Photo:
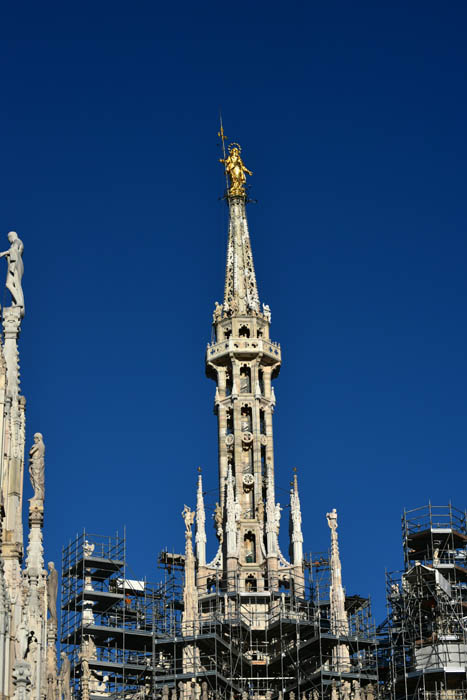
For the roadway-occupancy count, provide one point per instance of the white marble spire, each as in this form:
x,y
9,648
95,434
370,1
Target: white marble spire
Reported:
x,y
296,539
338,615
241,291
200,537
296,525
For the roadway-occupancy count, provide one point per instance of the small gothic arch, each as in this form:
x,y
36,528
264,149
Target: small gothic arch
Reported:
x,y
244,331
261,381
251,584
245,380
246,418
228,381
249,541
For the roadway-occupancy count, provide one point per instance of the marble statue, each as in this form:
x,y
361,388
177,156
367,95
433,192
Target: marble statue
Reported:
x,y
217,315
188,516
36,467
21,646
277,517
65,677
31,656
332,520
235,169
15,269
52,590
218,517
88,549
267,312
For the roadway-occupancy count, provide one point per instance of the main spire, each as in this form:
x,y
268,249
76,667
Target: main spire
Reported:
x,y
241,291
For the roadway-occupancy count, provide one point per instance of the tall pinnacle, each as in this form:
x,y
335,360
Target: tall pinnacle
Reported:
x,y
243,361
241,292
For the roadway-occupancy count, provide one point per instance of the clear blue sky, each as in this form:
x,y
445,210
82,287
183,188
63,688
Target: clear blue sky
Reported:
x,y
352,117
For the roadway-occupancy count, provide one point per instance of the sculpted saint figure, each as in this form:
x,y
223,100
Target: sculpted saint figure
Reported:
x,y
52,589
277,517
188,516
88,548
217,311
65,677
15,269
36,466
21,645
332,519
235,170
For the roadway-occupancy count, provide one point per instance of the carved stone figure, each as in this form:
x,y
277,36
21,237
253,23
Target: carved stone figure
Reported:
x,y
31,656
218,517
217,315
188,516
277,517
15,269
21,645
88,549
267,312
332,519
52,590
260,510
65,677
36,467
235,170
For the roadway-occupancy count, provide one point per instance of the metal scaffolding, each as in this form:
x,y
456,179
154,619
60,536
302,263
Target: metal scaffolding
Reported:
x,y
107,620
427,607
264,644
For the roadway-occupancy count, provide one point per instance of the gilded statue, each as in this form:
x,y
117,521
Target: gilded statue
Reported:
x,y
235,169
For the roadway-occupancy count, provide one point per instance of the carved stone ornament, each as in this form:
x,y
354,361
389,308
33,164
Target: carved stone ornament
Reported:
x,y
247,437
229,440
248,480
264,439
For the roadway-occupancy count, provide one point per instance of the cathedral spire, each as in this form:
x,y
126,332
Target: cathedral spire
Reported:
x,y
339,620
200,524
296,537
243,361
241,291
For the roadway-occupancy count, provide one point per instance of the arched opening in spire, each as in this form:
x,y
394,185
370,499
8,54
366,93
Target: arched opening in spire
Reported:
x,y
263,460
228,381
245,380
229,422
244,331
261,381
250,548
251,584
246,419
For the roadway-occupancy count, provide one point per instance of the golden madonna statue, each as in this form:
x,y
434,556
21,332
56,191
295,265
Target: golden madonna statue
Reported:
x,y
235,170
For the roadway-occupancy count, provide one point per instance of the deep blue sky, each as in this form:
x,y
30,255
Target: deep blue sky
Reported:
x,y
352,117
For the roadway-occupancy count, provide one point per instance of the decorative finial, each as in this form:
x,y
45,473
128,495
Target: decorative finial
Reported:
x,y
235,171
199,470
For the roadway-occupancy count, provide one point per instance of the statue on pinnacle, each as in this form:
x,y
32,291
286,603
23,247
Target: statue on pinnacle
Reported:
x,y
235,169
15,270
36,467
